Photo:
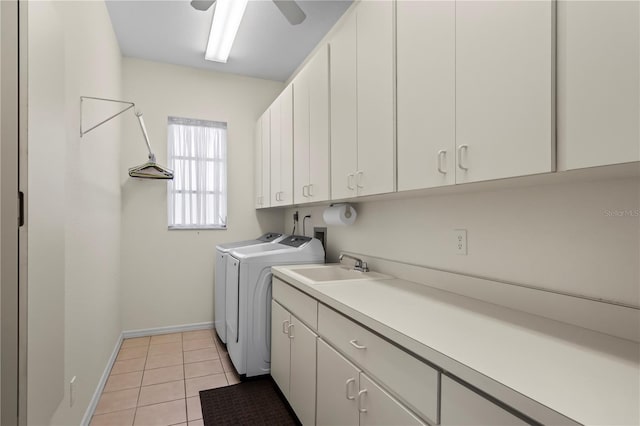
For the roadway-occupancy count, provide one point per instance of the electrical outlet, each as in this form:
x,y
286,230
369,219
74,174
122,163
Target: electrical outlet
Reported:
x,y
72,391
461,241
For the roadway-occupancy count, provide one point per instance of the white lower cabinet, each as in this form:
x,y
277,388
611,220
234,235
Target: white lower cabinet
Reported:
x,y
461,406
338,386
347,396
280,347
293,366
377,407
302,384
412,380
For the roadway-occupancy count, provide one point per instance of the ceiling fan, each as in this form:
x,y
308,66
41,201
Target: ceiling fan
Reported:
x,y
289,8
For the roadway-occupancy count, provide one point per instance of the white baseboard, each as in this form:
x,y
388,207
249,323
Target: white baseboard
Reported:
x,y
112,359
86,419
169,329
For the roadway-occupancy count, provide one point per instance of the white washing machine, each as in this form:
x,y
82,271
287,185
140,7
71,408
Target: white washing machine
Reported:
x,y
221,274
248,298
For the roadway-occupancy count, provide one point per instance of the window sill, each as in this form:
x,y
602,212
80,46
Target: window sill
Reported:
x,y
197,228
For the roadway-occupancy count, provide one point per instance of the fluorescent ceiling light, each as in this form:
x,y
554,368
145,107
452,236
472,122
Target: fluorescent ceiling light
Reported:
x,y
224,26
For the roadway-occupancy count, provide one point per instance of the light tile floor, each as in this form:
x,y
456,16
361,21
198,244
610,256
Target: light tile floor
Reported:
x,y
156,380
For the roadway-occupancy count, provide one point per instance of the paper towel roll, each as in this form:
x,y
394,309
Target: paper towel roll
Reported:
x,y
340,214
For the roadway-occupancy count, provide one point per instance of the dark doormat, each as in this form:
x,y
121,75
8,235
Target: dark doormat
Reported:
x,y
255,402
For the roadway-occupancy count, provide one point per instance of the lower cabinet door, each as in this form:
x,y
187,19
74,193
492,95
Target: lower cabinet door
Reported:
x,y
461,406
338,385
377,407
302,391
280,347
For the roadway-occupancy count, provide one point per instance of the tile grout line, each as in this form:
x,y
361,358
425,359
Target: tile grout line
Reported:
x,y
184,382
135,413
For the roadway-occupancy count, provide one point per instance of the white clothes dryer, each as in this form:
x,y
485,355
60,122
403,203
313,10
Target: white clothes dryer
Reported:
x,y
221,274
248,298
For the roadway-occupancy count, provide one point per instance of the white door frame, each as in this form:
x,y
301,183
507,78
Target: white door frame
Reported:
x,y
12,263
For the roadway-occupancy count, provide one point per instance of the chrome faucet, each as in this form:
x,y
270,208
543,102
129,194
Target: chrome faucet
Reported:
x,y
360,264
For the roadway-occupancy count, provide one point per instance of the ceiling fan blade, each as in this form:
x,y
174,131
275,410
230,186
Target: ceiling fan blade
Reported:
x,y
202,5
291,11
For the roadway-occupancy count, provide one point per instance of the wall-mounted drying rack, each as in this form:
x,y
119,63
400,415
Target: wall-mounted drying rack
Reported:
x,y
148,170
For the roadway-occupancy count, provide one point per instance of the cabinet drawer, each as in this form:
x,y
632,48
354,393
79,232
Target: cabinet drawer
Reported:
x,y
462,406
410,379
298,303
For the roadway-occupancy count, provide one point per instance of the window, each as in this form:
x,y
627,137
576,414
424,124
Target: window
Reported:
x,y
197,195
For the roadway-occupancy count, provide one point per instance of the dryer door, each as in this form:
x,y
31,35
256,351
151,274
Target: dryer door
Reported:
x,y
232,299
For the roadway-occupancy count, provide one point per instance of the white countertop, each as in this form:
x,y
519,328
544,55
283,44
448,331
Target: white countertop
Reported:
x,y
590,377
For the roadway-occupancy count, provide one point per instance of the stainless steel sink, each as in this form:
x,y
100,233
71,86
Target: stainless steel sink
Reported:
x,y
327,273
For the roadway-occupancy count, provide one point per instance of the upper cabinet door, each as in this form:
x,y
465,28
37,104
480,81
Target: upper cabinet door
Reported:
x,y
285,100
300,137
426,93
258,163
274,152
598,83
318,74
504,89
344,149
375,97
265,124
281,111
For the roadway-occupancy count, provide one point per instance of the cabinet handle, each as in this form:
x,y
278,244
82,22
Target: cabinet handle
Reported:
x,y
310,187
350,181
355,344
359,179
290,330
460,149
285,327
280,196
349,397
277,196
360,395
442,154
304,191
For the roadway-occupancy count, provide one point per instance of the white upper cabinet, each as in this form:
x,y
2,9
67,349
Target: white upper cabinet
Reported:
x,y
311,130
257,138
598,83
281,149
344,144
426,93
263,160
375,172
362,102
504,89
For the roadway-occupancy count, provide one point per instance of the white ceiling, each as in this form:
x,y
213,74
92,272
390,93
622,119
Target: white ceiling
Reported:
x,y
267,45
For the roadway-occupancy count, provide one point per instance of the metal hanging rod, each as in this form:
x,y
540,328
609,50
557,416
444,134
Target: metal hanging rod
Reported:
x,y
82,98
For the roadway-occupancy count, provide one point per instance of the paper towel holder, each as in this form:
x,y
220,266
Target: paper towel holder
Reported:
x,y
343,204
342,214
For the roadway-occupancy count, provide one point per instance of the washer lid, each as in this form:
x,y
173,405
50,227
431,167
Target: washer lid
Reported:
x,y
295,240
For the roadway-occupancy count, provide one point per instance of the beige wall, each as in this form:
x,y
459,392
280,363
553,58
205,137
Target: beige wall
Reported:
x,y
167,276
74,208
554,236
